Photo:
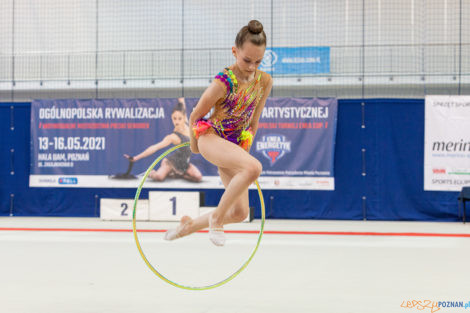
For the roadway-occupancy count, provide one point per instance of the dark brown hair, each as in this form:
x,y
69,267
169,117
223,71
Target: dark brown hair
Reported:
x,y
253,32
180,106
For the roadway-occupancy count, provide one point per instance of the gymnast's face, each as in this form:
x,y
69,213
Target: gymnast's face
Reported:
x,y
248,57
177,118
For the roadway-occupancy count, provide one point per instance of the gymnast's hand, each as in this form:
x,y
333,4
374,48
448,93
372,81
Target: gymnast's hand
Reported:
x,y
130,158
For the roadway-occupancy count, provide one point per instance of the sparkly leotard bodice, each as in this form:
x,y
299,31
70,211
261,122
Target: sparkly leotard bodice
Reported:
x,y
233,113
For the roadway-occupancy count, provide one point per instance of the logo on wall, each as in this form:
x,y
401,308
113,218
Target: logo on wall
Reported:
x,y
273,147
68,181
269,59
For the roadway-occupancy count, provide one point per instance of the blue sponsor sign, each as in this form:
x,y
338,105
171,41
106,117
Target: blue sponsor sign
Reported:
x,y
296,60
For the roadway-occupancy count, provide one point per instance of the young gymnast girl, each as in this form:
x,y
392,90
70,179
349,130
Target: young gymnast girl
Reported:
x,y
238,95
178,163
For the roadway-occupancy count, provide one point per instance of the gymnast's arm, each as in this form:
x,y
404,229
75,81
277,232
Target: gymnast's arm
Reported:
x,y
169,139
209,98
260,106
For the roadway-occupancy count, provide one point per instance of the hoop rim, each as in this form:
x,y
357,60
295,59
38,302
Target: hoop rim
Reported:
x,y
152,268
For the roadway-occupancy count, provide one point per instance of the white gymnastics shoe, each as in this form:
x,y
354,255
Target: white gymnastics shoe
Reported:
x,y
216,235
175,233
172,234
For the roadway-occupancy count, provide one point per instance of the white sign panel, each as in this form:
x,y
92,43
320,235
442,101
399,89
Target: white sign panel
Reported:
x,y
447,143
122,209
172,206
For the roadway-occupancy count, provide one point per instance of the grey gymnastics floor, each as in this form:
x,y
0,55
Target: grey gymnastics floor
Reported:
x,y
50,265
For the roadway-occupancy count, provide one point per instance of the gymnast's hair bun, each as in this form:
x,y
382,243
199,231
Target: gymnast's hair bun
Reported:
x,y
252,32
255,27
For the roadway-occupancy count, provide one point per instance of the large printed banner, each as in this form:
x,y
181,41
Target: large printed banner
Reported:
x,y
447,143
87,143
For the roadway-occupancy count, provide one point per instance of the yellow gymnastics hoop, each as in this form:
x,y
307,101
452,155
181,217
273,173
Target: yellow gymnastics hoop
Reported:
x,y
220,283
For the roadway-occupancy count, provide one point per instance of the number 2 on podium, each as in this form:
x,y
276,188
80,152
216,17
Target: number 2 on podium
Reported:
x,y
173,200
124,211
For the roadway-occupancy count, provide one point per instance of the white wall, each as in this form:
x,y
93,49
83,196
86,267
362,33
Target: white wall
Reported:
x,y
142,39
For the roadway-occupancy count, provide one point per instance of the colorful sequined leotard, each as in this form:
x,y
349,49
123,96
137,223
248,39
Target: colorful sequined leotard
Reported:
x,y
233,113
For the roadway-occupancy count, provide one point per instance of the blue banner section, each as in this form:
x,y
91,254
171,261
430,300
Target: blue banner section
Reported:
x,y
296,137
391,190
90,137
87,143
296,60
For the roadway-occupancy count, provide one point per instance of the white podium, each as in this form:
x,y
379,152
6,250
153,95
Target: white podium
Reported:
x,y
161,206
121,209
173,205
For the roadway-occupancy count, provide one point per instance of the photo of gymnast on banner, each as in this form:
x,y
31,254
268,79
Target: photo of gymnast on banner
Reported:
x,y
110,143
